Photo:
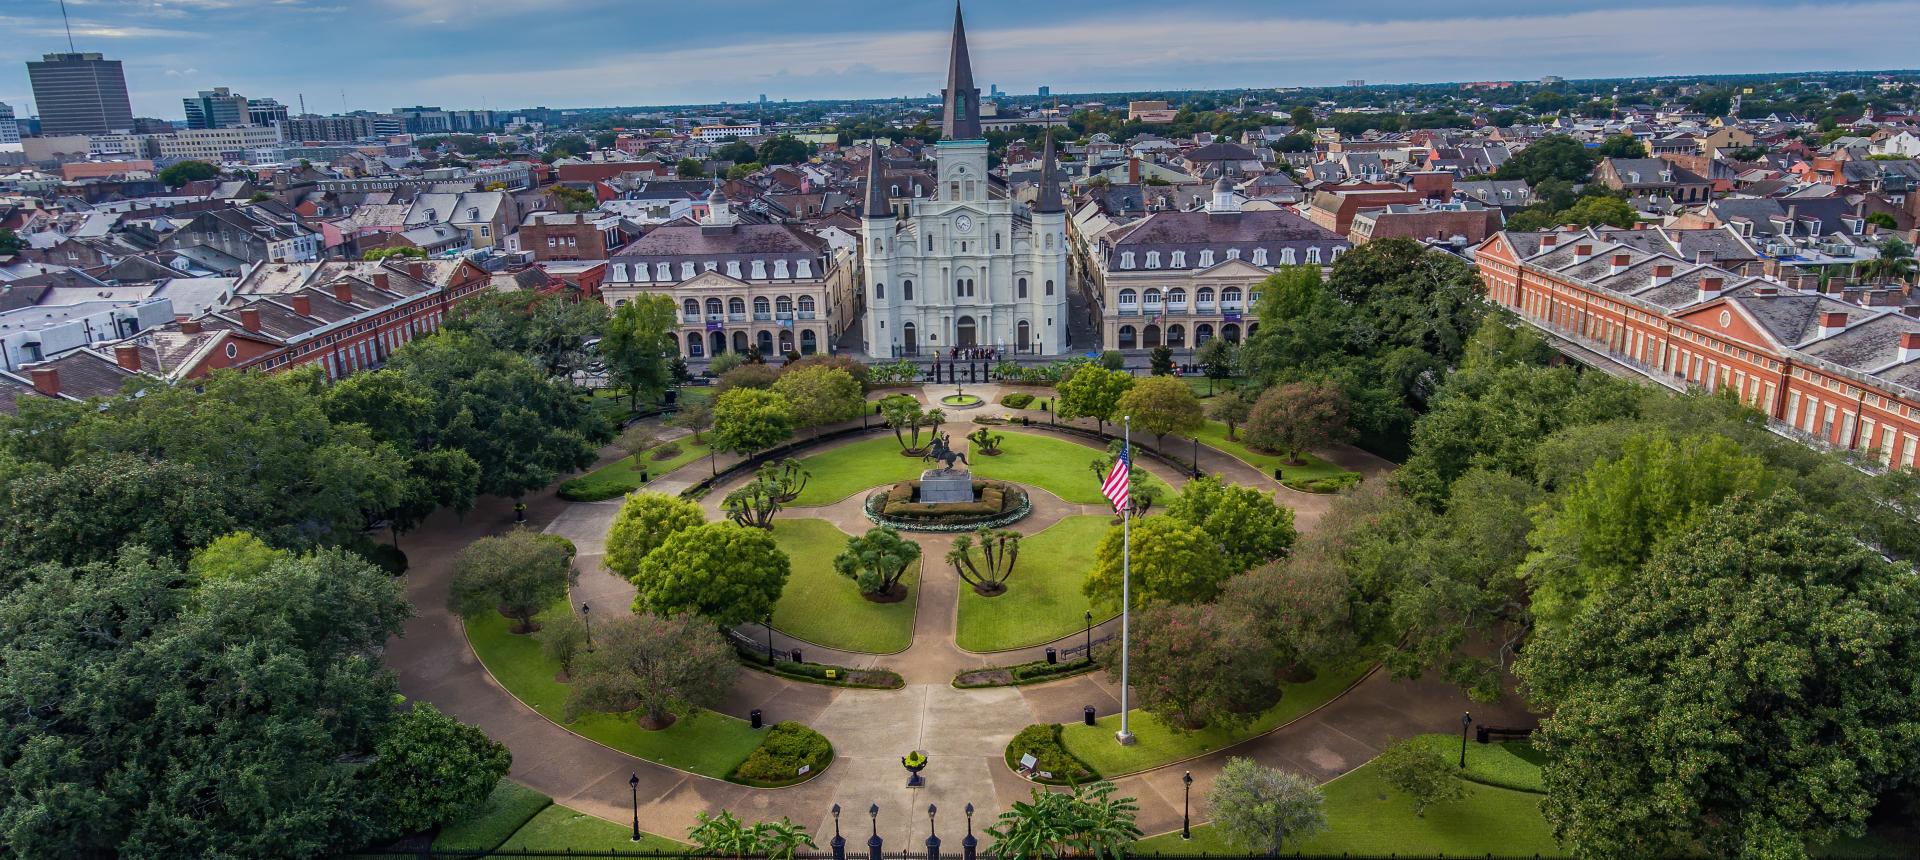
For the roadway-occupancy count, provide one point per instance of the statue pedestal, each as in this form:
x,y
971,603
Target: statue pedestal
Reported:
x,y
940,487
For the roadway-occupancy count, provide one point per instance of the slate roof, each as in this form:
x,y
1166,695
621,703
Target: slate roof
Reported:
x,y
1274,228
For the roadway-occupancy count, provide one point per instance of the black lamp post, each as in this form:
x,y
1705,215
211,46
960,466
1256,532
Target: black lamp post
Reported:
x,y
873,842
839,842
1089,635
969,845
586,618
633,782
1466,719
933,838
769,625
1186,807
1196,456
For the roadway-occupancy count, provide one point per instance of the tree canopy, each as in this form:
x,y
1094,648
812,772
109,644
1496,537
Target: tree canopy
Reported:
x,y
726,572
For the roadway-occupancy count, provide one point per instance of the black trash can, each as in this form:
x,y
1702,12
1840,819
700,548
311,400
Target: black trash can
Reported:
x,y
643,476
753,717
1087,714
1052,656
796,656
1276,473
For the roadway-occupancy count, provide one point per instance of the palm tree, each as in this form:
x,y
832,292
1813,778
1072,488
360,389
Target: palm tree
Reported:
x,y
1895,263
1084,822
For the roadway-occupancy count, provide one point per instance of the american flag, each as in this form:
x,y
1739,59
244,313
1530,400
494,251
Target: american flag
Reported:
x,y
1115,488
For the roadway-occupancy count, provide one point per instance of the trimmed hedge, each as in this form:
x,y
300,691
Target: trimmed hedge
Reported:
x,y
1036,672
1042,741
777,761
1325,484
816,673
1016,399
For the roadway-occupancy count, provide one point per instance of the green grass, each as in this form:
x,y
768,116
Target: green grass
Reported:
x,y
1488,821
1507,764
1215,434
1156,744
705,742
622,476
823,607
1043,601
1060,467
1220,386
510,806
558,828
862,465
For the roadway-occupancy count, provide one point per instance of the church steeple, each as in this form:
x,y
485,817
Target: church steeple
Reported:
x,y
1048,200
960,120
879,203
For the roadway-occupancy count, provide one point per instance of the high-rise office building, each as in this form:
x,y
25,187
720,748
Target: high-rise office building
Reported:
x,y
1046,91
9,128
266,112
80,94
216,108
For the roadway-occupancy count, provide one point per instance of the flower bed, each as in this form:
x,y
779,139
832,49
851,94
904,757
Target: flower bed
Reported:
x,y
1036,672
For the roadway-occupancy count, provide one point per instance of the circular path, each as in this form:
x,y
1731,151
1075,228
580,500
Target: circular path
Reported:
x,y
964,732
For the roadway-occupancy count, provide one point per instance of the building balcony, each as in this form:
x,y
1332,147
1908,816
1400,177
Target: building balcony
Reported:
x,y
736,317
807,315
1177,307
690,319
1128,310
1204,307
762,317
783,315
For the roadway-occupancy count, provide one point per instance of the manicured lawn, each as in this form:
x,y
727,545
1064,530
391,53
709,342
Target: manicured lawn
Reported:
x,y
558,828
862,465
1156,744
1199,384
706,742
510,806
622,476
1215,435
823,607
1060,467
1366,816
1509,764
1043,601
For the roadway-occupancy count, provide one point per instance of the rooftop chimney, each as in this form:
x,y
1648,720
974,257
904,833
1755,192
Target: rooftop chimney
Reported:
x,y
189,326
127,355
1619,263
1133,170
1710,287
381,281
303,304
250,319
1662,273
1582,253
46,380
1549,240
1831,322
1704,258
1909,346
343,291
1766,292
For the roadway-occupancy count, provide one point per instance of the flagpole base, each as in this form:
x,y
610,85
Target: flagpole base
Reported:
x,y
1125,738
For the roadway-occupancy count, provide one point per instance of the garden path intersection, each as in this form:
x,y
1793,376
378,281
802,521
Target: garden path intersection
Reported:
x,y
963,732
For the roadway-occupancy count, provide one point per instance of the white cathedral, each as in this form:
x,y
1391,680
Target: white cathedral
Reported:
x,y
967,266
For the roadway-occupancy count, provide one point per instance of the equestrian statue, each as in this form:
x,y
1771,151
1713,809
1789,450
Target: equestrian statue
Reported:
x,y
938,449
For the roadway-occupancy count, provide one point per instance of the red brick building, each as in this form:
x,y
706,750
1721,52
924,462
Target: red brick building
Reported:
x,y
1838,369
550,236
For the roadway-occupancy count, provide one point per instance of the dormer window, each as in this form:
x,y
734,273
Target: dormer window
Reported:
x,y
686,270
1179,258
1233,253
806,269
1287,257
779,268
1259,256
473,213
1153,259
663,272
1126,259
1206,258
1313,254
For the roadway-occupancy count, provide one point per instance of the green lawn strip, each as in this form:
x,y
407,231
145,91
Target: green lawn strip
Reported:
x,y
558,828
1506,764
510,806
1201,389
622,476
1214,434
1043,601
1365,816
1155,744
825,608
851,468
706,743
1060,467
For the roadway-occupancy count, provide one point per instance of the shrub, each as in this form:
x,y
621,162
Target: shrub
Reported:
x,y
1042,741
787,747
1326,484
1017,399
666,451
578,490
1042,669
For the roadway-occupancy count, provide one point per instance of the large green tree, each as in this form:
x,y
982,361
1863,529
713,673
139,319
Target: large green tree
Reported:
x,y
1172,561
644,522
551,330
182,172
1245,525
150,714
662,667
750,420
1555,156
432,769
727,572
1162,405
820,395
638,347
1093,392
1262,809
520,573
1298,416
1196,666
87,510
1752,693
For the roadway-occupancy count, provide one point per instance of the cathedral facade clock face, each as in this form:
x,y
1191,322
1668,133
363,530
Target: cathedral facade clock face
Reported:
x,y
964,223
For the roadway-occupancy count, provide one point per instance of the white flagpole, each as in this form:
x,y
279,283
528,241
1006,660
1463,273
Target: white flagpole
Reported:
x,y
1126,572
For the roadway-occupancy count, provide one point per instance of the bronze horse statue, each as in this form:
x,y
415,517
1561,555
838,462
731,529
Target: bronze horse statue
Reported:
x,y
938,449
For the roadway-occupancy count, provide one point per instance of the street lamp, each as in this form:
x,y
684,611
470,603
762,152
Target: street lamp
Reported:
x,y
633,782
873,842
586,618
1186,807
769,624
839,842
1466,719
1089,635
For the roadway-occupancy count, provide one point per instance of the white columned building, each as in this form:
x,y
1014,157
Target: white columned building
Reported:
x,y
967,266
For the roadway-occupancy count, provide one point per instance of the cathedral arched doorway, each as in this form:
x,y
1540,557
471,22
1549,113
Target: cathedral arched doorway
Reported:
x,y
965,334
718,342
786,341
766,343
910,339
1150,338
1231,332
1023,336
1126,337
740,342
1176,336
809,342
696,347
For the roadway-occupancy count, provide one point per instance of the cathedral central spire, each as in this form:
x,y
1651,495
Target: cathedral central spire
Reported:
x,y
960,120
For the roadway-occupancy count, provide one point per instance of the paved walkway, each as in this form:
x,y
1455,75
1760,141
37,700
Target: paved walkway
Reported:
x,y
963,731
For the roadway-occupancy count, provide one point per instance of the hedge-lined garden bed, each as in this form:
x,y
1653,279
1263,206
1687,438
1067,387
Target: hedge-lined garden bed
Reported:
x,y
791,753
1042,741
1036,672
823,674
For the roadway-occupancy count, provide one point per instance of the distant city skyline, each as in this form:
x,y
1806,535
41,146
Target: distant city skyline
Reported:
x,y
458,54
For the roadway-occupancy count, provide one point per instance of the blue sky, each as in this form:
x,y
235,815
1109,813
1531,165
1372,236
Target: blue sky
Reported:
x,y
569,53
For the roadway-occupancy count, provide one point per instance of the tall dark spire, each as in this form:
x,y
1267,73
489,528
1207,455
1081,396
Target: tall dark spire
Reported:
x,y
1049,199
879,204
961,118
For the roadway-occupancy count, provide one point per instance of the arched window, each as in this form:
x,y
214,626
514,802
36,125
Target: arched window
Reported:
x,y
714,308
783,304
1230,297
1127,337
1129,298
1177,298
740,342
809,342
1020,288
1150,337
1152,297
806,305
695,348
1202,333
906,290
761,307
879,290
1176,336
692,308
736,305
1049,287
1204,296
1231,332
765,342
